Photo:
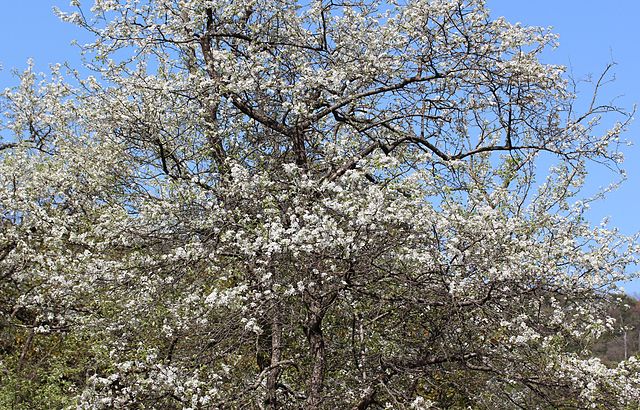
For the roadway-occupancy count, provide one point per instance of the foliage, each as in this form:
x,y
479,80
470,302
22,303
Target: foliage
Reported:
x,y
279,204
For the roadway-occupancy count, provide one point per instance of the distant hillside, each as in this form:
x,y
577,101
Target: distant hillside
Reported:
x,y
625,340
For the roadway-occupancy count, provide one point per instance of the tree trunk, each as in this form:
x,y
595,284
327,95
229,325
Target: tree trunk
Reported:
x,y
276,357
316,344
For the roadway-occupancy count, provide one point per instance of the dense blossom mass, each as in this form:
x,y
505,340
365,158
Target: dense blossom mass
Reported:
x,y
284,204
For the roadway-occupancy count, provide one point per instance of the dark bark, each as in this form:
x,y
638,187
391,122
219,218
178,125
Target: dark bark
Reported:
x,y
276,357
317,347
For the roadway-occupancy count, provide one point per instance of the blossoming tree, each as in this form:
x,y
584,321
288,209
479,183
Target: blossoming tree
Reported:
x,y
281,204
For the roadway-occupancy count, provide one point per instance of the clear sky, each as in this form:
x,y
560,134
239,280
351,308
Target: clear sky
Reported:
x,y
592,34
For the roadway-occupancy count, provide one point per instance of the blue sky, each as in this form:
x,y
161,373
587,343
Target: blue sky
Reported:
x,y
592,34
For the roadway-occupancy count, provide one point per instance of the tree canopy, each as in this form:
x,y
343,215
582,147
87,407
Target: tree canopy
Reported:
x,y
280,204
